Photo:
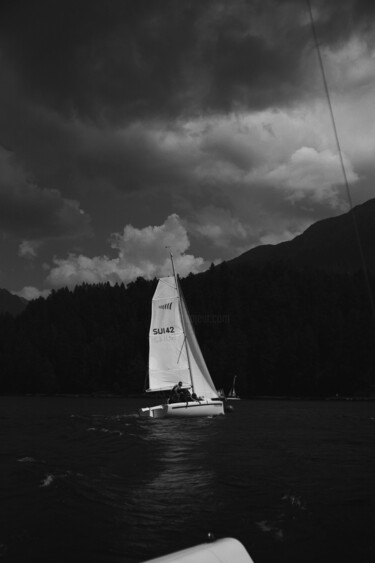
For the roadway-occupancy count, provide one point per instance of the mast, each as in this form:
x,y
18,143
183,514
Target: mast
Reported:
x,y
182,320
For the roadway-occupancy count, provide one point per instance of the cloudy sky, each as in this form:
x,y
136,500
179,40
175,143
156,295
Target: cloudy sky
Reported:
x,y
130,125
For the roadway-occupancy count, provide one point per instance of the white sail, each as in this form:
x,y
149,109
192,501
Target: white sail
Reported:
x,y
168,362
174,354
201,379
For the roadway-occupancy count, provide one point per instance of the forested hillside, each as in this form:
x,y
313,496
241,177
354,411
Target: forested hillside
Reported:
x,y
11,303
330,244
280,329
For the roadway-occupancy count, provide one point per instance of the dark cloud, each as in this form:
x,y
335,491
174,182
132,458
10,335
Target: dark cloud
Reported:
x,y
137,109
133,159
336,21
28,211
90,57
144,57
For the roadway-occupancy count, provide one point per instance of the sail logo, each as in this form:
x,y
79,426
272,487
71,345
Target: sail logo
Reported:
x,y
166,306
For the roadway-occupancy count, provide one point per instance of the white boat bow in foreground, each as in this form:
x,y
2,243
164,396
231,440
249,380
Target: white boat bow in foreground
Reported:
x,y
226,550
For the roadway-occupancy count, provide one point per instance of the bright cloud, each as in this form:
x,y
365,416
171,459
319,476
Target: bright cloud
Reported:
x,y
220,227
28,249
351,67
312,174
140,253
31,293
292,148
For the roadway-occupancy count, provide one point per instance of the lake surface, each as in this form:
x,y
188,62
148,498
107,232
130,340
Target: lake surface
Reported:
x,y
84,479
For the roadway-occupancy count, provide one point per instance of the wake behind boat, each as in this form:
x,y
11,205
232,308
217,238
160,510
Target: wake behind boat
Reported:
x,y
175,358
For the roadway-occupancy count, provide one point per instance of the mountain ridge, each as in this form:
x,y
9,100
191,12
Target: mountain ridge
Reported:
x,y
329,244
10,303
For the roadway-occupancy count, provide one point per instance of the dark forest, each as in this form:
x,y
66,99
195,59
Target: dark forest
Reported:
x,y
284,331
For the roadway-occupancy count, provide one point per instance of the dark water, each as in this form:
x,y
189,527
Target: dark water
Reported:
x,y
87,480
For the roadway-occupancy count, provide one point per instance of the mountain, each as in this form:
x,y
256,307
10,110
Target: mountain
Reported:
x,y
10,303
330,244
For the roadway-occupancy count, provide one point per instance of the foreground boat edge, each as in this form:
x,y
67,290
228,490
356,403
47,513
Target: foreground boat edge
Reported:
x,y
225,550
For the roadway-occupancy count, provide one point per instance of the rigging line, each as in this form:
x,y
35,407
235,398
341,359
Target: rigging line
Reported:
x,y
346,182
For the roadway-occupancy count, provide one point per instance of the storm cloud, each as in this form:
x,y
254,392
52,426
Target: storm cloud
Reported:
x,y
141,58
118,115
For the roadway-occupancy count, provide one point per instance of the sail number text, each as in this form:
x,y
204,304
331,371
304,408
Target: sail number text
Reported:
x,y
167,330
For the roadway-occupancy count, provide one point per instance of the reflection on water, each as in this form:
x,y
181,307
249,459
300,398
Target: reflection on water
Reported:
x,y
181,487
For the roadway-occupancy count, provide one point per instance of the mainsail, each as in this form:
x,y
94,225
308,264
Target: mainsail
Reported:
x,y
174,351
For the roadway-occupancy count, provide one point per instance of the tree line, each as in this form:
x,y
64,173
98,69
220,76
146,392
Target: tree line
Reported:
x,y
283,330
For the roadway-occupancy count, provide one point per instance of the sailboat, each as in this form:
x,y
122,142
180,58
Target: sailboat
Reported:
x,y
175,356
221,393
232,395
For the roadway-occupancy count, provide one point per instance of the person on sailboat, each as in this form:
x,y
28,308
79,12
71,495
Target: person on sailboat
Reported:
x,y
176,393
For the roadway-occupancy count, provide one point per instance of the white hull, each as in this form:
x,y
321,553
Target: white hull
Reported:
x,y
179,410
225,550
